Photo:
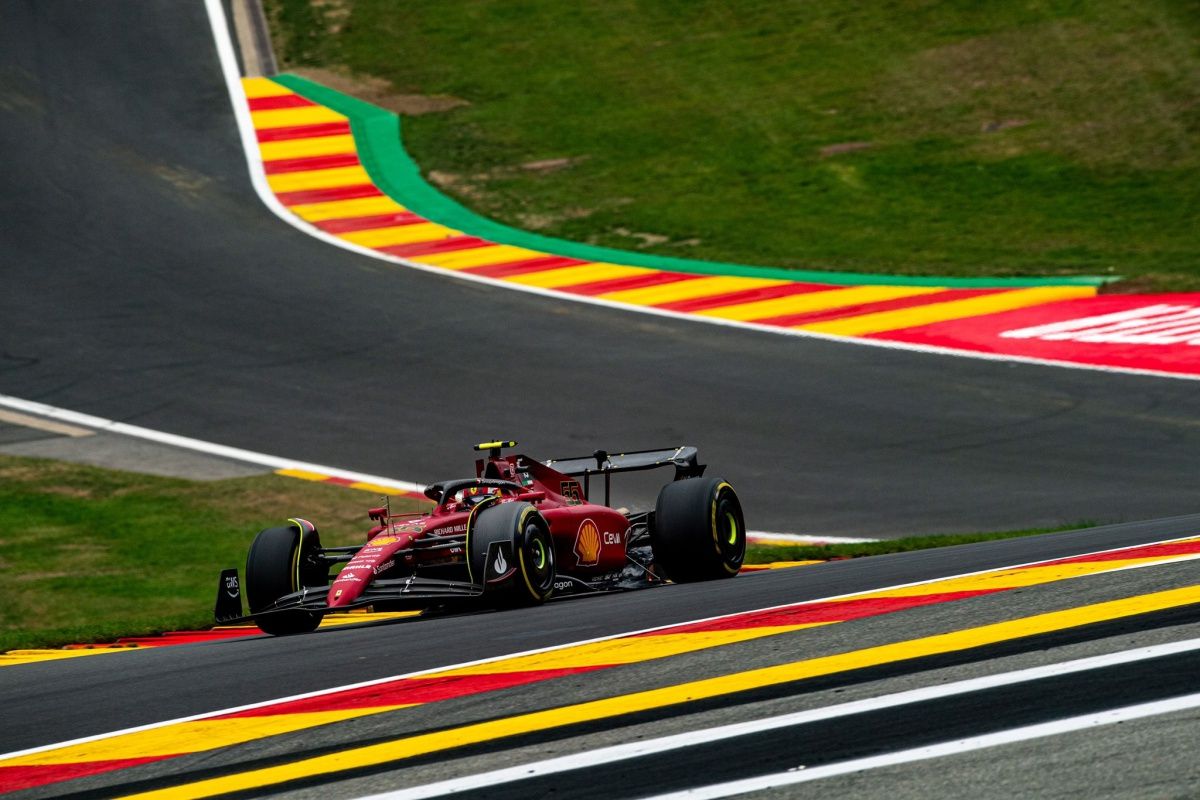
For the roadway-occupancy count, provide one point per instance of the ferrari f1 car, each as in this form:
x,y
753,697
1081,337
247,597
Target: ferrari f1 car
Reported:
x,y
517,533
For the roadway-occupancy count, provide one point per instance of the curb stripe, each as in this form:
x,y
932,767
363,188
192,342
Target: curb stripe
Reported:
x,y
803,301
306,147
504,269
307,163
353,224
277,101
844,298
325,195
912,301
941,312
742,296
304,132
446,245
621,284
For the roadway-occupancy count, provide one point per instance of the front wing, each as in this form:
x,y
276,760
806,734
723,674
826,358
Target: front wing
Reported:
x,y
398,593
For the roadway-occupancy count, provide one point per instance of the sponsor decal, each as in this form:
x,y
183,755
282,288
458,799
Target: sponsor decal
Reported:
x,y
1160,324
368,550
384,567
231,586
612,538
587,544
562,586
409,527
379,541
344,578
337,594
500,565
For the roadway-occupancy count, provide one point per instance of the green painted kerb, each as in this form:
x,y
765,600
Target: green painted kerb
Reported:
x,y
377,135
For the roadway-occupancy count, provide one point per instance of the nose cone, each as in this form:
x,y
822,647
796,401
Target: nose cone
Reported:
x,y
375,557
348,585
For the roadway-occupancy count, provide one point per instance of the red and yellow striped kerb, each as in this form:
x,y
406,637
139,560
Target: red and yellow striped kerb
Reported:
x,y
312,165
223,729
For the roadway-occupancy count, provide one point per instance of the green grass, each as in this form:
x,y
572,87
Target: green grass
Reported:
x,y
1045,137
766,554
89,554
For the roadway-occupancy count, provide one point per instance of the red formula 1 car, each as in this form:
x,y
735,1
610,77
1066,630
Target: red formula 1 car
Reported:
x,y
515,534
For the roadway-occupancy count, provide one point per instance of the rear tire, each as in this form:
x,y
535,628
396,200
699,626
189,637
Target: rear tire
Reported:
x,y
278,564
529,535
699,533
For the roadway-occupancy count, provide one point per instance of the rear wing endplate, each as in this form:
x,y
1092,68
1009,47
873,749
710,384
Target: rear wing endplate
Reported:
x,y
685,459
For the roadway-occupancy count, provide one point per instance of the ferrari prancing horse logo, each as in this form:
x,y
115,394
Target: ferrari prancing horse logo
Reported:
x,y
587,544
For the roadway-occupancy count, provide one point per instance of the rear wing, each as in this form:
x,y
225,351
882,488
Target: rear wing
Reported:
x,y
685,459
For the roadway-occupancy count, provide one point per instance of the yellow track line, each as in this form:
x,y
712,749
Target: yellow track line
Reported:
x,y
318,179
408,747
478,257
305,148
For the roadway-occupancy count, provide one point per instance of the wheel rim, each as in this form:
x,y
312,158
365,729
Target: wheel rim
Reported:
x,y
730,537
731,523
538,551
539,558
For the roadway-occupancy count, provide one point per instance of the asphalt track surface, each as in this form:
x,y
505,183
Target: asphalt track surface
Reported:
x,y
143,281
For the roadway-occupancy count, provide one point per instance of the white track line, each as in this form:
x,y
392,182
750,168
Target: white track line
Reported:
x,y
800,538
241,112
198,445
1010,736
624,752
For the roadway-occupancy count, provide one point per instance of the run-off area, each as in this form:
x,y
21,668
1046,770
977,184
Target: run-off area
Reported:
x,y
1124,759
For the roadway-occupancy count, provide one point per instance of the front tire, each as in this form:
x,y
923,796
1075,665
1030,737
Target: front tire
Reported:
x,y
531,546
280,563
699,533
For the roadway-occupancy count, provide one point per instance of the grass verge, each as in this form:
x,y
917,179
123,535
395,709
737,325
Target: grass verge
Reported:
x,y
1055,137
90,555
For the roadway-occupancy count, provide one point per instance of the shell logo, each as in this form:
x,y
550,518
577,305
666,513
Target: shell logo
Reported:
x,y
587,544
382,540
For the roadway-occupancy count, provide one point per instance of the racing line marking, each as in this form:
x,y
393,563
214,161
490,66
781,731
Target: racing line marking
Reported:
x,y
623,752
1010,736
423,744
106,752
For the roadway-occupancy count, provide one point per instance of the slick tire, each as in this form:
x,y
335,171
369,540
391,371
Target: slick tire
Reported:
x,y
276,566
531,571
699,533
